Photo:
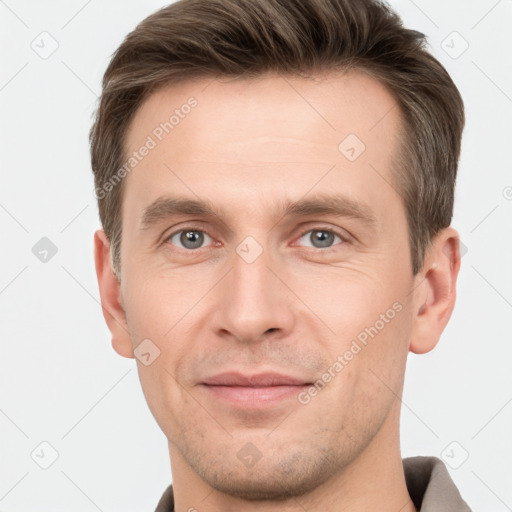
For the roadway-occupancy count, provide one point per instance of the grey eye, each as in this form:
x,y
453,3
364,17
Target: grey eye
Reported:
x,y
320,238
189,238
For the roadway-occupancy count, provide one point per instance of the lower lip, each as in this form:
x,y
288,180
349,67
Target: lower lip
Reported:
x,y
245,396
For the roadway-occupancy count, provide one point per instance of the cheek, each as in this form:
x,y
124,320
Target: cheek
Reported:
x,y
368,321
350,303
162,394
156,304
163,309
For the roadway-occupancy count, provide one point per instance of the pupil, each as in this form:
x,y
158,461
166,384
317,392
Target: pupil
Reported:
x,y
192,239
324,238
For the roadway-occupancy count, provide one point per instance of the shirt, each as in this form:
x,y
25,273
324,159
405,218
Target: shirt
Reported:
x,y
428,482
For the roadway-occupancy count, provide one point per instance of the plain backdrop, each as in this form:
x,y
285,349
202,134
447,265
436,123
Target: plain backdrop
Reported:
x,y
61,383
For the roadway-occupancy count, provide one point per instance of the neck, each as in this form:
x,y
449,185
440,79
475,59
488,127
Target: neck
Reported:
x,y
374,481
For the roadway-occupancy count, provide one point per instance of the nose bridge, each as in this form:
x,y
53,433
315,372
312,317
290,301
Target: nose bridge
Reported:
x,y
251,275
253,299
251,278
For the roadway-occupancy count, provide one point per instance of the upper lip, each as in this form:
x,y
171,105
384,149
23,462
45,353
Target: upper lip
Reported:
x,y
256,380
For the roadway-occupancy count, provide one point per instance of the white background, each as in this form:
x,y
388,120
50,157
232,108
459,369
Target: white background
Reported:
x,y
60,380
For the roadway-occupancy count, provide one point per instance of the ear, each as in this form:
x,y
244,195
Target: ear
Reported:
x,y
435,291
111,298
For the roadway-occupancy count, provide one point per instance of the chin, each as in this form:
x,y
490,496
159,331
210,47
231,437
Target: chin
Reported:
x,y
278,481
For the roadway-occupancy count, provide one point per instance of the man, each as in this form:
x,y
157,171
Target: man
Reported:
x,y
275,182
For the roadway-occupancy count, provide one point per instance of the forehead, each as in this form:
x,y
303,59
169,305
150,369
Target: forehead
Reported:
x,y
269,133
324,109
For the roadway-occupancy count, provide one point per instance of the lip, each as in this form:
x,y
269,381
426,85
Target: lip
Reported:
x,y
253,391
258,380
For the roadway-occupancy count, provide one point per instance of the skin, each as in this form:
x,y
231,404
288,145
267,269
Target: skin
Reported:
x,y
248,147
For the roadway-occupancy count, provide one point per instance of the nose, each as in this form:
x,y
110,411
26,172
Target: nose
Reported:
x,y
254,301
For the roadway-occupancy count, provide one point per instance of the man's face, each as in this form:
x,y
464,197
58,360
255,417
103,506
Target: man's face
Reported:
x,y
252,306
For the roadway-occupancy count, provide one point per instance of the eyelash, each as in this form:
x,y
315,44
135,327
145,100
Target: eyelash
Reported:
x,y
343,237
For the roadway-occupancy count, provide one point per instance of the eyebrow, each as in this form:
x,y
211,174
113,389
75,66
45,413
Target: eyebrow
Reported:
x,y
321,204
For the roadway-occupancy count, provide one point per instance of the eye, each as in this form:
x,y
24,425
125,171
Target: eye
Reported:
x,y
189,238
321,238
192,239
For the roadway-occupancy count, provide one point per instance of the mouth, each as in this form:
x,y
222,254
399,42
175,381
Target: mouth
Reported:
x,y
253,391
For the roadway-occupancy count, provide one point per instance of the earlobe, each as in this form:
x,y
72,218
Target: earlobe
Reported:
x,y
435,291
110,295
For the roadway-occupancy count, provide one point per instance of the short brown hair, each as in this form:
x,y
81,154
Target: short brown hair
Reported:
x,y
200,38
